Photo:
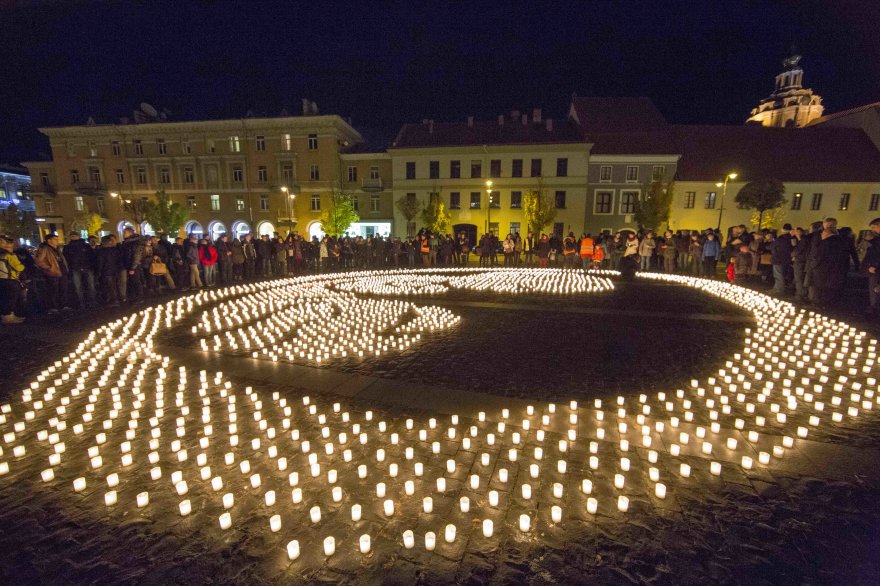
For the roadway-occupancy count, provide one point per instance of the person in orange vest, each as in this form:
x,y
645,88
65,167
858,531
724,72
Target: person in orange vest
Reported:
x,y
586,247
425,249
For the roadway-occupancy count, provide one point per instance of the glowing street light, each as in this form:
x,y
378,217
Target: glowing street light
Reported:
x,y
723,184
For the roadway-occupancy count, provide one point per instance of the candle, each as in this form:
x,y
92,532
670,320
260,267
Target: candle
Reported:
x,y
556,513
365,543
185,508
388,506
441,484
592,505
746,462
493,498
225,521
337,494
502,475
557,490
660,490
534,470
408,539
143,499
587,486
110,498
430,541
449,533
293,550
275,523
296,495
526,491
315,513
475,481
380,490
488,528
715,468
685,470
622,503
525,523
464,504
329,546
228,500
79,484
427,504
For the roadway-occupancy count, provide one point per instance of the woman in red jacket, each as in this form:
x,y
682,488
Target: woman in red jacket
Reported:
x,y
208,258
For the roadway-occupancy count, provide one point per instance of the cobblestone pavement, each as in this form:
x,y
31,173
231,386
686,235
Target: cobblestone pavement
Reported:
x,y
810,517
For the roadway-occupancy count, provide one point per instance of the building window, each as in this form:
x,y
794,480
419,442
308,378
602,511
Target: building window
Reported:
x,y
100,201
493,228
558,228
215,202
211,145
142,175
816,204
164,175
374,172
434,169
234,144
188,175
2,193
191,202
287,142
94,175
844,202
74,176
710,200
516,168
186,147
260,142
690,198
796,201
161,146
316,202
658,173
875,201
455,169
313,142
562,167
514,228
237,174
356,202
603,202
495,168
264,202
495,199
44,179
515,200
605,174
117,150
262,174
352,173
410,169
93,150
475,199
560,200
78,203
455,200
50,205
138,147
314,172
632,173
476,169
536,168
375,202
628,201
239,204
287,172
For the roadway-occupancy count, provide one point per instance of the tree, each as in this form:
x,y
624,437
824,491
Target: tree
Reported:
x,y
761,195
654,209
136,209
539,209
408,208
166,216
18,224
434,215
770,219
88,221
341,214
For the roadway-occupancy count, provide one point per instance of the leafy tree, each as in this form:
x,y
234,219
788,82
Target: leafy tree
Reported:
x,y
654,209
341,214
761,195
408,208
539,209
18,224
434,215
770,219
136,210
166,216
89,221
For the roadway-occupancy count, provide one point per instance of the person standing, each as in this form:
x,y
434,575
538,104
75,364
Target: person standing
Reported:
x,y
646,251
81,260
250,257
10,286
781,250
54,270
192,259
829,268
264,256
586,249
711,254
131,277
668,250
543,251
464,248
178,265
208,257
109,265
695,255
224,259
871,263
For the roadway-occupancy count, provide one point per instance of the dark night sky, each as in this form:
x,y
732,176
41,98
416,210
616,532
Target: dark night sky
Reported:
x,y
388,63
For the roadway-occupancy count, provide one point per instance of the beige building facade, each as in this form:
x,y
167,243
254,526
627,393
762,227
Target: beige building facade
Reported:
x,y
790,104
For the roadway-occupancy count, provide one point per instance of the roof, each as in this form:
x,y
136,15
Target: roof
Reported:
x,y
812,154
487,133
623,126
844,113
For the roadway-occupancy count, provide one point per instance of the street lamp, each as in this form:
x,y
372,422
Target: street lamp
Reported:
x,y
290,197
489,209
723,185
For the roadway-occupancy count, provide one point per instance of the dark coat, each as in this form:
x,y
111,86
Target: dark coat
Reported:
x,y
109,261
830,264
79,255
781,250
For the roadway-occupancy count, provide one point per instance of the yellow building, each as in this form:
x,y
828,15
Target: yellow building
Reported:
x,y
516,153
260,175
826,171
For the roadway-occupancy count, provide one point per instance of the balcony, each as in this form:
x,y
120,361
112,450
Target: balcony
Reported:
x,y
371,184
285,219
91,188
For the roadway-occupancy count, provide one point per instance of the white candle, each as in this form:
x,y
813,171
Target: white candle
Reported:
x,y
315,513
475,481
592,505
556,513
79,484
685,470
525,523
430,541
143,499
296,495
465,504
380,490
660,490
409,539
534,470
364,543
526,491
493,498
427,504
441,484
449,533
337,494
502,475
587,486
388,506
228,500
746,462
275,523
329,546
622,503
225,521
557,490
488,528
185,508
110,498
355,513
715,468
293,550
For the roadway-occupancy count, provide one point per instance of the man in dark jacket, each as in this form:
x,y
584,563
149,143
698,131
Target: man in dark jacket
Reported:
x,y
264,256
178,263
131,276
109,265
829,268
250,257
81,262
781,250
872,265
224,259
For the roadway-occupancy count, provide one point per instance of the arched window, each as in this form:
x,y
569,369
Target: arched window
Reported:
x,y
315,230
122,226
194,228
265,228
216,230
240,228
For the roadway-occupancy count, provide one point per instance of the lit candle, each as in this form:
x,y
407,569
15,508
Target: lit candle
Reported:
x,y
592,505
315,513
355,513
556,513
660,490
488,528
225,521
185,508
409,539
143,499
430,541
622,503
388,506
329,546
525,523
427,504
293,550
365,543
275,523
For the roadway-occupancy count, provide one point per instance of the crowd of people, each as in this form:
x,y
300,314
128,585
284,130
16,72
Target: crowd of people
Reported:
x,y
808,264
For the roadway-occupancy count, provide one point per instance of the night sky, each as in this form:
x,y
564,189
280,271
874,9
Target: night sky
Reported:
x,y
384,64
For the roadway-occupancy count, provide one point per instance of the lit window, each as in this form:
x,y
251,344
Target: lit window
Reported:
x,y
215,202
78,203
313,142
844,202
796,201
239,204
710,200
191,202
234,144
316,202
288,142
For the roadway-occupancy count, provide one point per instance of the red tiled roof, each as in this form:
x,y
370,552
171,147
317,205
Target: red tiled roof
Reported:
x,y
623,126
441,134
812,154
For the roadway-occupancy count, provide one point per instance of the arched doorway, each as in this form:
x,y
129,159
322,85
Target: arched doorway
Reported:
x,y
122,226
315,230
193,228
265,229
240,228
216,229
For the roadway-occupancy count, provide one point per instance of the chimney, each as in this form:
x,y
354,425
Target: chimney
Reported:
x,y
470,121
536,114
525,119
549,124
501,120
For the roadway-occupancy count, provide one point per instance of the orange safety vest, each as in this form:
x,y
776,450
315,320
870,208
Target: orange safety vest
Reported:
x,y
598,254
425,248
586,248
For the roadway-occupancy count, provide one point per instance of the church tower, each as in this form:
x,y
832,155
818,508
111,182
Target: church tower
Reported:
x,y
790,104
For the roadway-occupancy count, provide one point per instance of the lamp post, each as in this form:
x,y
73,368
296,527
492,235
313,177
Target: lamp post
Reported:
x,y
289,197
489,208
723,185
